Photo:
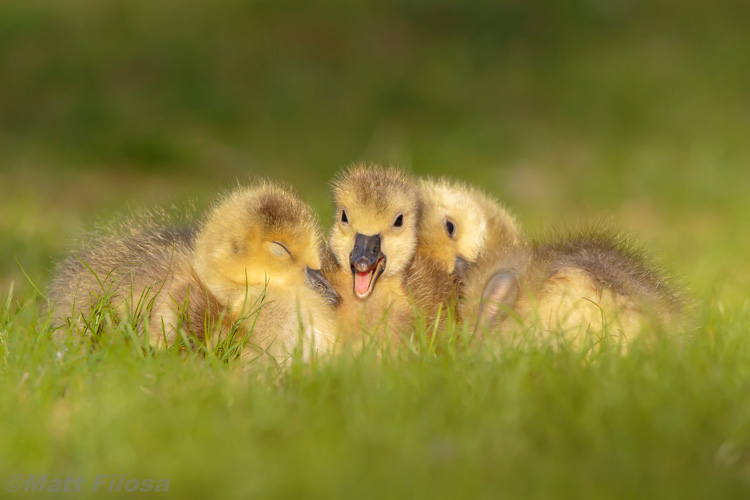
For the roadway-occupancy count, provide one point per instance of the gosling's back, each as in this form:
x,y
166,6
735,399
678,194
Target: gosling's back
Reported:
x,y
128,273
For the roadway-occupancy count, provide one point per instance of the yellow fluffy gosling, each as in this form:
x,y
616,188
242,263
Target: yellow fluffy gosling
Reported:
x,y
374,265
256,242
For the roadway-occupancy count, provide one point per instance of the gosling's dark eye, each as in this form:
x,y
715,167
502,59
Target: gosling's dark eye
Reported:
x,y
344,219
399,221
450,226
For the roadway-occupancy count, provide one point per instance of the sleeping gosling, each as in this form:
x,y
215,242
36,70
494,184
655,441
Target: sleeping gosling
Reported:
x,y
254,259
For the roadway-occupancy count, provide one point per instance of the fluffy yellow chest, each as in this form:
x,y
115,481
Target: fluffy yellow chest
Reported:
x,y
386,311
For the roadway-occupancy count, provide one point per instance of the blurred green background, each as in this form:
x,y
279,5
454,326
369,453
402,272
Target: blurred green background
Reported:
x,y
634,112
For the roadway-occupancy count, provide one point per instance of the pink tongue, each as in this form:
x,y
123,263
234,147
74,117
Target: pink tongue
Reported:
x,y
362,282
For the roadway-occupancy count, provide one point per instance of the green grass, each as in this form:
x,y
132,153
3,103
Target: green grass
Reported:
x,y
669,418
631,112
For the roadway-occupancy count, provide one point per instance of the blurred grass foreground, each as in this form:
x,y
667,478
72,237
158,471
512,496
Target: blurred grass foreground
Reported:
x,y
630,111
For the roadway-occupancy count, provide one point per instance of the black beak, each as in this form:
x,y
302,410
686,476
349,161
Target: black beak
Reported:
x,y
321,285
366,253
461,268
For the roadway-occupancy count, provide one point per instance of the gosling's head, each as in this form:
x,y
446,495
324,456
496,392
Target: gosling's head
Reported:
x,y
375,227
258,234
453,226
459,224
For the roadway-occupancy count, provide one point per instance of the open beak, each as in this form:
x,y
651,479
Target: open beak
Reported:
x,y
320,284
367,263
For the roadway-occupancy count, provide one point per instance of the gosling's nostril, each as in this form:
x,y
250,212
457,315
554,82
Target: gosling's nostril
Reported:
x,y
362,266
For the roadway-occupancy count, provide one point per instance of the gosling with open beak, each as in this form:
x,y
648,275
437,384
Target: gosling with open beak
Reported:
x,y
367,262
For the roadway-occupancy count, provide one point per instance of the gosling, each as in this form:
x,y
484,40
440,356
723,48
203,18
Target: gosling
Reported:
x,y
572,285
254,260
374,264
460,222
588,287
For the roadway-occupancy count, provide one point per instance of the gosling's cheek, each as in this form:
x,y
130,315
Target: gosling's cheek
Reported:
x,y
346,247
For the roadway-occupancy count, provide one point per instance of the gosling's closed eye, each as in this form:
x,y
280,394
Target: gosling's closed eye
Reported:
x,y
279,250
